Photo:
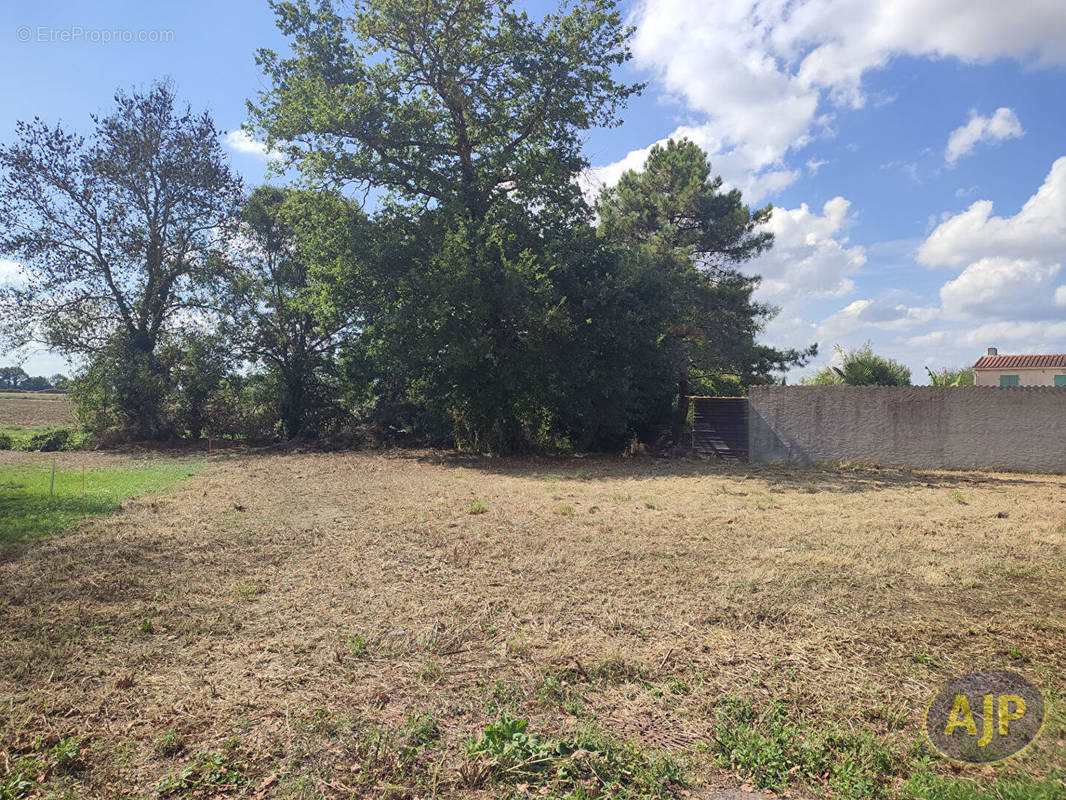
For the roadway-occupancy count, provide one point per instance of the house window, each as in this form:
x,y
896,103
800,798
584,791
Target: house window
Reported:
x,y
1008,380
1060,380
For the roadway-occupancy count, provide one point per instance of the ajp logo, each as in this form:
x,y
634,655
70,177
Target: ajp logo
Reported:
x,y
985,717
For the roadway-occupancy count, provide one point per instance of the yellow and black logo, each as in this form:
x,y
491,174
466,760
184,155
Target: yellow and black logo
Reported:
x,y
985,717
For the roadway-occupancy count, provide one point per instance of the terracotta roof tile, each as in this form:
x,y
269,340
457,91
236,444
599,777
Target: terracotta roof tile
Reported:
x,y
1056,361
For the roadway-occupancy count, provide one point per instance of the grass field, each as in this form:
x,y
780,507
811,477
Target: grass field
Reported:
x,y
421,625
34,503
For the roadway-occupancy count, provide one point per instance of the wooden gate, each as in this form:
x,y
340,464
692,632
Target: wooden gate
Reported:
x,y
720,426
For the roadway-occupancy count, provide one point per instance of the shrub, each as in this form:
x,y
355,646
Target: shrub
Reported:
x,y
51,441
862,367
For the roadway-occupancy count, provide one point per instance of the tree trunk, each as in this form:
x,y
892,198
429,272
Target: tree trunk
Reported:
x,y
140,384
677,430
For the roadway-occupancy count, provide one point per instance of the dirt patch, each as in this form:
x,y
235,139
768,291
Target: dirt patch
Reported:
x,y
33,409
281,609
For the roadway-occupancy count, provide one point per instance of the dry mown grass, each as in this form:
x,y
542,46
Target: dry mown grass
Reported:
x,y
292,610
32,409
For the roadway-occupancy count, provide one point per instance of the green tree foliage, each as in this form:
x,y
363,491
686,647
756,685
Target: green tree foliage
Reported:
x,y
862,367
466,102
946,376
294,298
197,369
36,383
689,236
469,115
116,235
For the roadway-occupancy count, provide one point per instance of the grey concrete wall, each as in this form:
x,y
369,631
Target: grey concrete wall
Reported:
x,y
959,427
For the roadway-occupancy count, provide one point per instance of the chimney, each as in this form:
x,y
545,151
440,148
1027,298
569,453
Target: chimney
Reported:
x,y
993,351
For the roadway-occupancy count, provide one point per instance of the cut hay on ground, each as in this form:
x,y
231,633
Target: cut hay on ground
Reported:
x,y
275,604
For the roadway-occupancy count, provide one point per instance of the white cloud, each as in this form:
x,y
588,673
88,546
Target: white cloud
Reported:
x,y
1011,265
755,181
716,57
788,331
1008,292
11,273
595,179
1037,232
845,321
1003,124
835,41
755,73
810,256
994,288
813,165
962,344
908,168
853,322
242,142
1018,337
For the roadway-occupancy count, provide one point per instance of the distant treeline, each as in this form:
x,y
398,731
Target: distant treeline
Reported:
x,y
15,379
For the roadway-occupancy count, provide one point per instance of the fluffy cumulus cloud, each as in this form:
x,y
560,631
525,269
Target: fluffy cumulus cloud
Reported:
x,y
757,74
1006,284
736,170
855,323
1003,124
810,256
1008,287
1011,265
1012,336
242,142
993,287
1037,232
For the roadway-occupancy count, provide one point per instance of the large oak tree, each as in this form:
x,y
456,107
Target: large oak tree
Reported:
x,y
443,101
467,116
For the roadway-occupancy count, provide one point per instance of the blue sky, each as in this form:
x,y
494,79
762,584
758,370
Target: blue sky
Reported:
x,y
909,148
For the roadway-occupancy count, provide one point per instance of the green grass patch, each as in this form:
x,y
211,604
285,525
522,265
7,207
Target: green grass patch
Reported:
x,y
28,509
772,749
26,775
925,785
586,765
778,749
